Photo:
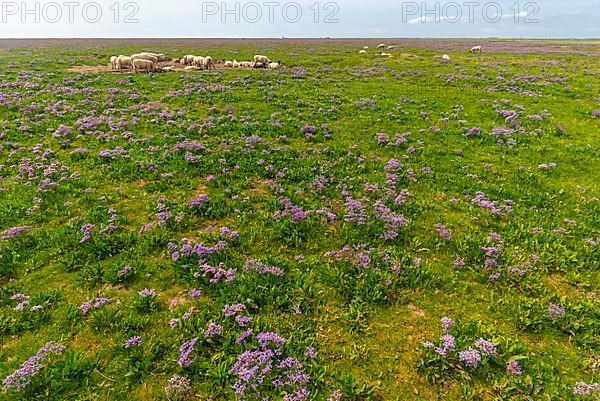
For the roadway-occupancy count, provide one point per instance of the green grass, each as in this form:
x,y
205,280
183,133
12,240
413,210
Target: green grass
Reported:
x,y
367,334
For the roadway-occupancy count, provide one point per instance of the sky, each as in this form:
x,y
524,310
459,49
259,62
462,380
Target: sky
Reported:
x,y
299,18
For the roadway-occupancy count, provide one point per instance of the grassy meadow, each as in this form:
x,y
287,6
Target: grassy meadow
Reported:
x,y
349,227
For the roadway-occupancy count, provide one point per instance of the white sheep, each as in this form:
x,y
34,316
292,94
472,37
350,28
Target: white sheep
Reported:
x,y
228,64
381,46
391,47
261,59
198,61
236,64
187,59
476,49
142,65
159,56
208,63
362,52
258,65
274,66
446,57
246,64
366,47
192,68
113,62
144,56
124,62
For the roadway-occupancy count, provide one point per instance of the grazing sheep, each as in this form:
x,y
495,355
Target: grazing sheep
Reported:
x,y
142,56
246,64
274,66
192,68
382,54
476,49
446,57
236,64
142,65
366,47
228,64
391,47
124,62
187,59
198,61
259,65
158,56
261,59
381,46
208,63
169,68
362,52
113,62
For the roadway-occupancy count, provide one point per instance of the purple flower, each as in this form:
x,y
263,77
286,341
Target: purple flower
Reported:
x,y
185,351
213,330
582,388
486,348
447,324
243,336
470,357
596,113
556,311
134,341
197,202
147,293
177,385
513,368
195,293
232,310
22,377
14,232
266,338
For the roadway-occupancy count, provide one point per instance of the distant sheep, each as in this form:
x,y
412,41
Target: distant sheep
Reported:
x,y
187,59
198,62
259,65
245,64
142,65
446,57
391,47
381,46
261,59
113,62
274,66
158,56
208,63
124,62
236,64
192,68
362,52
228,64
476,49
144,56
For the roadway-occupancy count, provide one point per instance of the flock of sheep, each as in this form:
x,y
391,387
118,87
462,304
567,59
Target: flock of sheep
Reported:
x,y
382,46
148,62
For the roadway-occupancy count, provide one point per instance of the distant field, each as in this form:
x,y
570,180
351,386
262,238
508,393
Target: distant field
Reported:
x,y
348,227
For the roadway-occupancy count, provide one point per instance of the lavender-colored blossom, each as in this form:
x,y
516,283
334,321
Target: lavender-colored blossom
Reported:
x,y
486,348
185,352
177,385
213,330
21,378
134,341
513,368
470,357
556,311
